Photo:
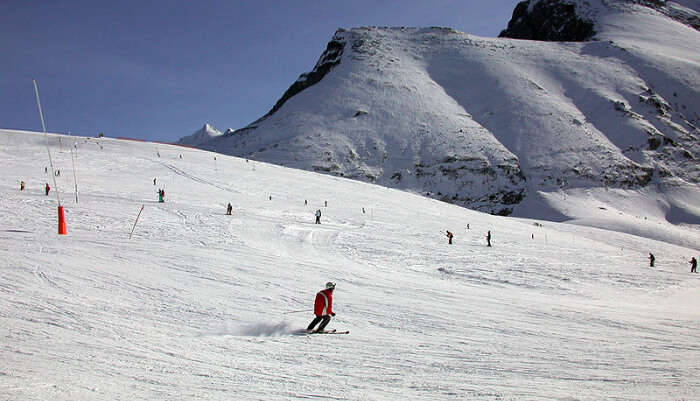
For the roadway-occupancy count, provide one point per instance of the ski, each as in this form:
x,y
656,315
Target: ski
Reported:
x,y
334,331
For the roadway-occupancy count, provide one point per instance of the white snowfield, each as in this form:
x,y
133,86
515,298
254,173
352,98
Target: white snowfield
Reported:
x,y
200,305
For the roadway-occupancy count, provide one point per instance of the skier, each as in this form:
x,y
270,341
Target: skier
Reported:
x,y
323,308
47,188
651,259
154,181
21,185
693,265
488,238
449,237
161,195
318,216
229,209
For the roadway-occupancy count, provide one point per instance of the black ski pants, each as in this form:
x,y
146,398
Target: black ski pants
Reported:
x,y
325,319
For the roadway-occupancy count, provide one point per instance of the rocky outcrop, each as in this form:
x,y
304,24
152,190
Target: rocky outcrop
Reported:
x,y
548,20
329,59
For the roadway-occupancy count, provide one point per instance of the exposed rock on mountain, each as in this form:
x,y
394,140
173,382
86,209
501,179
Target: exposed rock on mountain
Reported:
x,y
549,20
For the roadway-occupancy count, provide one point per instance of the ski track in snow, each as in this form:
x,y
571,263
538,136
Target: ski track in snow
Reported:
x,y
194,305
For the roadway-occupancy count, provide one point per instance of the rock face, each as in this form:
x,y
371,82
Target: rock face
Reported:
x,y
548,20
566,20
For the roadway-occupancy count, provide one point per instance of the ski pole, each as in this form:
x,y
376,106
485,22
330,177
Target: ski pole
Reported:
x,y
296,311
137,220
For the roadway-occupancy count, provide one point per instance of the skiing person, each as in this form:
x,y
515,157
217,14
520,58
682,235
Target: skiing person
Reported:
x,y
229,209
21,185
449,237
323,308
161,195
651,259
318,216
47,188
154,181
488,238
693,265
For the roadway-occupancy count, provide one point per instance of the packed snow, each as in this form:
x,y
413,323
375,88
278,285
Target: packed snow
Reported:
x,y
201,305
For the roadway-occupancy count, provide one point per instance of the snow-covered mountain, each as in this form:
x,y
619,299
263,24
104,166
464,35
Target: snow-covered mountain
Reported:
x,y
498,124
200,305
204,134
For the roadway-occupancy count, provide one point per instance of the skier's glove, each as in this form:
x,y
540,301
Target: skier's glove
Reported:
x,y
332,313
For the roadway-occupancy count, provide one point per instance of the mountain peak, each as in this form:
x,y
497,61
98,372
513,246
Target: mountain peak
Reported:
x,y
201,136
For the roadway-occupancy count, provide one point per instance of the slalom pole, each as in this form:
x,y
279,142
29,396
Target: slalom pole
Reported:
x,y
61,215
137,220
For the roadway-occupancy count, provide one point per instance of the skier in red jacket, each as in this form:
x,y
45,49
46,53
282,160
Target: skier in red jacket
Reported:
x,y
323,308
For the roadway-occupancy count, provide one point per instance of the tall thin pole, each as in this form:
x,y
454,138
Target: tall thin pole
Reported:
x,y
75,179
43,126
137,220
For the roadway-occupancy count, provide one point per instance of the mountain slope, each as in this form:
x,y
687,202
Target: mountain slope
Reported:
x,y
486,123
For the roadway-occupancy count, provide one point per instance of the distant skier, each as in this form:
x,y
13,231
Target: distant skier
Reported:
x,y
488,238
161,195
47,188
449,237
651,259
306,202
325,203
323,308
21,185
318,216
229,209
154,181
467,226
693,265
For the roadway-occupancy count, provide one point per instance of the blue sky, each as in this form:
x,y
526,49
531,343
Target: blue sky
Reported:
x,y
159,70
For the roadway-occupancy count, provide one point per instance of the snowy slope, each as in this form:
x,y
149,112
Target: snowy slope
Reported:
x,y
201,305
488,123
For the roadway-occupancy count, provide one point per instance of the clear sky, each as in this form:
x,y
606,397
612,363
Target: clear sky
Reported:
x,y
159,70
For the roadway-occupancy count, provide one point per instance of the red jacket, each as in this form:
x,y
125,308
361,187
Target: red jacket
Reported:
x,y
324,302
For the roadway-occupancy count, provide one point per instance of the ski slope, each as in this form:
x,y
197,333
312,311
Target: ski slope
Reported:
x,y
200,305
